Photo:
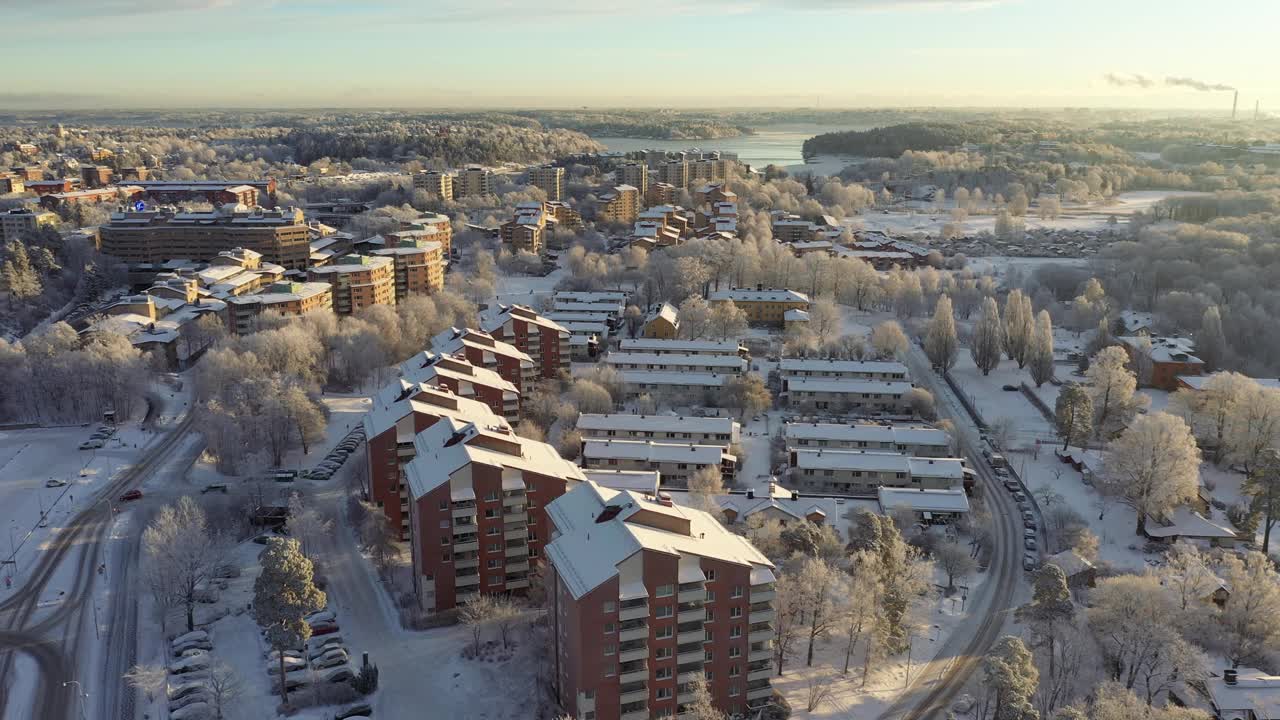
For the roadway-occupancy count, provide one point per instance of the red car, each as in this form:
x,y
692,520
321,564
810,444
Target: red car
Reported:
x,y
131,495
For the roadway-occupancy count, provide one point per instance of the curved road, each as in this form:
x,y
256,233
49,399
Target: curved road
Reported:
x,y
940,680
51,641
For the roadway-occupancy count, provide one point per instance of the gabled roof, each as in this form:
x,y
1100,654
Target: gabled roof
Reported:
x,y
454,341
451,444
426,366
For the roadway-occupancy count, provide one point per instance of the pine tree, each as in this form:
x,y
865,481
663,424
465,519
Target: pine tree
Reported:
x,y
1040,350
1011,674
283,595
940,342
20,278
988,333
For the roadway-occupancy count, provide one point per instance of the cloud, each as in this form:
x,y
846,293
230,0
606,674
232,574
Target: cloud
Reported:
x,y
1130,80
1196,84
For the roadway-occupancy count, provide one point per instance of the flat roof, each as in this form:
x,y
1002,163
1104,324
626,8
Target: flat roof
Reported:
x,y
847,385
849,367
668,423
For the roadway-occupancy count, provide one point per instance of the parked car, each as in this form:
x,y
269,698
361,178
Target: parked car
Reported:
x,y
1029,543
198,696
55,483
91,444
186,686
190,645
134,494
191,663
321,616
337,675
1012,485
1009,388
333,658
215,487
324,628
1019,496
1028,523
290,664
1028,562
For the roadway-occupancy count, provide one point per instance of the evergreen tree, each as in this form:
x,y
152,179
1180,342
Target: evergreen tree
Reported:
x,y
283,595
1012,676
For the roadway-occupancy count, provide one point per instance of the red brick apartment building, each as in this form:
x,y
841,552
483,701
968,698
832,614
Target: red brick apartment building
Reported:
x,y
401,411
543,339
218,192
483,350
645,597
465,380
478,510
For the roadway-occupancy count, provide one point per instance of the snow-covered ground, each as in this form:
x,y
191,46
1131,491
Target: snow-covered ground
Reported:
x,y
935,621
923,218
32,458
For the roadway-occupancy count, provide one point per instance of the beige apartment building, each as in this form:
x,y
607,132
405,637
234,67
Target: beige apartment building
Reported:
x,y
286,298
917,440
550,179
848,395
636,175
621,205
358,281
763,305
676,462
688,430
18,222
436,182
419,266
863,473
474,180
157,236
674,173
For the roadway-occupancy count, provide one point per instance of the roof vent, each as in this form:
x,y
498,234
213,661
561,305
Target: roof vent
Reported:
x,y
1229,676
610,512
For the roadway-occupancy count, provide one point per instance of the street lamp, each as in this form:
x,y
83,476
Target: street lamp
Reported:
x,y
82,695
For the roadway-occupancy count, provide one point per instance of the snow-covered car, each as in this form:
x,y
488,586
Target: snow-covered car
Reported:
x,y
1012,486
290,664
186,686
1029,543
333,658
194,711
337,675
1028,562
198,645
55,483
190,699
191,652
91,444
274,655
292,680
190,663
1029,523
324,641
187,637
321,616
324,628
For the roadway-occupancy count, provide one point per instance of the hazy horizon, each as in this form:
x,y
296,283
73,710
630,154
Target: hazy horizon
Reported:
x,y
716,54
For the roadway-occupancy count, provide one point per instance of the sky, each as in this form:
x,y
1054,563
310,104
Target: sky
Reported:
x,y
86,54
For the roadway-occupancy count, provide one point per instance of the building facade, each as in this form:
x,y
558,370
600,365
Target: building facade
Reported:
x,y
157,236
465,380
550,179
621,205
636,175
419,266
545,341
646,597
18,222
435,182
763,305
286,298
358,282
473,181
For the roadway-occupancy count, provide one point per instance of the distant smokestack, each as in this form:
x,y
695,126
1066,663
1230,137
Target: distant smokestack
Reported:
x,y
1235,98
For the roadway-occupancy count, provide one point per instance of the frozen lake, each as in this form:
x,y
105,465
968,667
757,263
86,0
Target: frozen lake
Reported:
x,y
770,145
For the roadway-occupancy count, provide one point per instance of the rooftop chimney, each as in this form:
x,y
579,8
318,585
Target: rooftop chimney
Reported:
x,y
1229,676
664,499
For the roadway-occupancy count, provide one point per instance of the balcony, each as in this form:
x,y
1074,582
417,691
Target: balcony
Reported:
x,y
467,580
698,613
634,612
762,673
691,656
518,566
641,713
465,512
692,592
515,517
518,583
762,654
636,673
639,632
472,545
466,563
630,654
464,528
404,450
761,616
638,692
691,636
759,689
758,596
516,533
763,631
517,551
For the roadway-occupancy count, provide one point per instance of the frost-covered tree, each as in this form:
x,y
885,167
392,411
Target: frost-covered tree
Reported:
x,y
702,706
987,343
705,487
1211,342
1112,387
888,341
747,394
818,579
1253,429
1073,414
695,318
1213,408
1010,676
1018,324
1248,620
824,319
940,342
183,552
284,594
1050,612
1040,351
1154,466
1262,485
955,562
856,614
1131,617
725,321
306,524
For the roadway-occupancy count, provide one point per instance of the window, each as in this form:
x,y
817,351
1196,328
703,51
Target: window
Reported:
x,y
733,691
734,671
711,575
735,611
711,596
444,524
494,563
444,504
663,633
589,715
663,653
589,694
708,656
493,530
444,540
495,580
664,693
735,651
446,556
490,496
609,606
610,669
735,631
711,616
662,611
610,649
662,673
737,592
609,628
710,675
494,547
665,591
710,635
491,513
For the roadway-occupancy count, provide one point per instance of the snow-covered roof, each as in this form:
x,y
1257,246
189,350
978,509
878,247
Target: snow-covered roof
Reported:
x,y
1187,523
867,432
950,500
842,367
1070,562
765,295
827,459
666,423
451,444
453,341
1197,382
663,377
426,366
498,317
650,451
600,296
795,315
847,385
643,481
600,528
728,362
667,312
1253,691
723,347
1165,349
425,399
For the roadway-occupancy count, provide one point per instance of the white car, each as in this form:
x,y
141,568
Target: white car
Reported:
x,y
336,675
321,641
193,635
332,658
191,663
184,649
290,664
186,686
55,483
197,696
323,616
274,655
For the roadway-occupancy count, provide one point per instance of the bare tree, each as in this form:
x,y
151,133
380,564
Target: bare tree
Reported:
x,y
183,552
476,615
955,561
818,688
224,687
150,679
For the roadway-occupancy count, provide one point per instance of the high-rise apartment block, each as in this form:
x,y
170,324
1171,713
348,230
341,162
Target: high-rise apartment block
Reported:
x,y
462,378
419,266
477,499
621,205
674,172
473,181
544,340
436,182
358,282
483,350
18,222
284,298
157,236
636,175
645,598
550,179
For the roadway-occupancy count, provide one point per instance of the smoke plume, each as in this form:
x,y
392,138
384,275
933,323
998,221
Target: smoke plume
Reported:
x,y
1196,84
1130,80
